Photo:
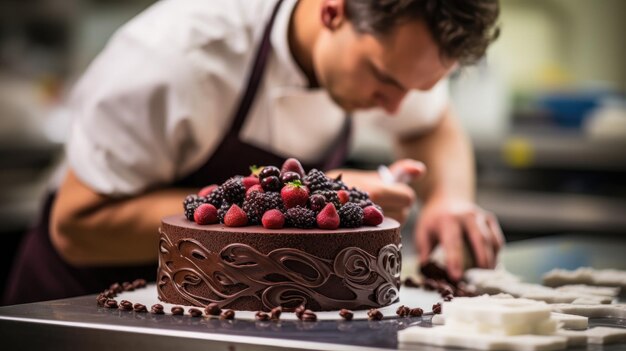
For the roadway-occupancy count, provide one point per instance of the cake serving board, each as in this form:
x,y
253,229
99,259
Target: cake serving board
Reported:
x,y
411,297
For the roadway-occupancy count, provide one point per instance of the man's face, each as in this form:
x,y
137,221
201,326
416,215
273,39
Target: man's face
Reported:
x,y
361,71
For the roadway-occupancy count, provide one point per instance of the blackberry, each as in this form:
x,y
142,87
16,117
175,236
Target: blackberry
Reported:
x,y
190,204
338,184
216,197
300,217
257,203
330,196
233,191
351,215
357,195
317,180
274,201
221,212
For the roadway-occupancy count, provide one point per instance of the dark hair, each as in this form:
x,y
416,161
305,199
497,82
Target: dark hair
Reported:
x,y
463,29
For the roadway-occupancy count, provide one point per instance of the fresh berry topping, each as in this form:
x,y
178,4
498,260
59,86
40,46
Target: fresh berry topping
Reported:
x,y
328,218
249,181
330,196
317,180
292,165
216,197
207,190
289,176
294,194
300,217
258,202
317,202
351,215
255,170
234,191
190,204
205,214
235,217
257,188
269,171
344,196
356,195
273,219
271,183
221,212
372,216
338,184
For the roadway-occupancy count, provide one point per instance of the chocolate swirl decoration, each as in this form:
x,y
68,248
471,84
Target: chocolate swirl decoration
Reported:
x,y
239,275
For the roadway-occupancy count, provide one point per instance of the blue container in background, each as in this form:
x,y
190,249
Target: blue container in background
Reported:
x,y
569,109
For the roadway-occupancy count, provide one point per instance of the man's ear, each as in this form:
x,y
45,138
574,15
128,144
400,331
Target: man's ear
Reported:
x,y
333,13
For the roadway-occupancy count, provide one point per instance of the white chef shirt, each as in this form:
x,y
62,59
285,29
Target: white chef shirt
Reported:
x,y
155,104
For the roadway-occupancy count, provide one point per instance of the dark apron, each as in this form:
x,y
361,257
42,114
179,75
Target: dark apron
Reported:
x,y
39,273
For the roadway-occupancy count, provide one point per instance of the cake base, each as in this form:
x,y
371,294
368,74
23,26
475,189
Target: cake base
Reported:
x,y
253,268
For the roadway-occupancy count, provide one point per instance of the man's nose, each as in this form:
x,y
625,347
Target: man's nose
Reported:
x,y
390,101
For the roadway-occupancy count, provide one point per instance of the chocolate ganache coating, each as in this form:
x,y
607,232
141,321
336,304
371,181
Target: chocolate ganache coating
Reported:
x,y
253,268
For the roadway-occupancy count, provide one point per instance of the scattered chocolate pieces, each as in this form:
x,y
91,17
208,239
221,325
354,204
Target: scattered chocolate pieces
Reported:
x,y
308,316
109,293
227,314
126,305
127,286
375,314
346,314
416,312
194,312
157,309
110,304
299,311
116,288
276,312
403,311
139,283
437,308
262,316
178,311
411,283
101,300
212,309
140,308
448,298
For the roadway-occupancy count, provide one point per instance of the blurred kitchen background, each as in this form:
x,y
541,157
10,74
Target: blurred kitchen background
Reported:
x,y
546,112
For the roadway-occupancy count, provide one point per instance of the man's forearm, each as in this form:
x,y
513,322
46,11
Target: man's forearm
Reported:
x,y
447,153
89,229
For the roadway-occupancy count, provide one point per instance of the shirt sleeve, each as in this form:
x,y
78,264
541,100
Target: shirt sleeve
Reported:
x,y
136,113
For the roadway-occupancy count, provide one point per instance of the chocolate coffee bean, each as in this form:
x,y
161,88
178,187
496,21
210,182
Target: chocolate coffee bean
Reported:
x,y
212,309
127,286
126,305
262,316
111,304
227,314
194,312
276,312
157,309
416,312
375,314
140,308
309,316
437,308
346,314
178,311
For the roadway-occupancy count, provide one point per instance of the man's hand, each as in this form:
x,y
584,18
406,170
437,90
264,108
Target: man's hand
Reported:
x,y
396,199
452,222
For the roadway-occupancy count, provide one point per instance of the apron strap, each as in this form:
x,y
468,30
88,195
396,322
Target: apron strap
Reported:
x,y
256,75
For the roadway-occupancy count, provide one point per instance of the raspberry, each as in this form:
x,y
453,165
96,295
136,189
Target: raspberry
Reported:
x,y
273,219
317,180
351,215
190,204
330,196
235,217
343,195
207,190
234,191
372,216
205,214
221,212
300,217
328,218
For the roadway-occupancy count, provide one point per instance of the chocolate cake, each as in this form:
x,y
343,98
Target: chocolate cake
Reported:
x,y
254,268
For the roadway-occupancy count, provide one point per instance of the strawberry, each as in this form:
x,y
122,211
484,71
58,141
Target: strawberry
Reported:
x,y
235,217
249,181
294,194
207,190
205,214
292,165
343,196
372,216
256,187
273,219
328,218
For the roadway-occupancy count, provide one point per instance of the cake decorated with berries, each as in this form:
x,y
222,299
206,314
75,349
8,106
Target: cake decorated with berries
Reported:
x,y
280,237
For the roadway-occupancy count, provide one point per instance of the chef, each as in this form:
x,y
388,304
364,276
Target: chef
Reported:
x,y
191,92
